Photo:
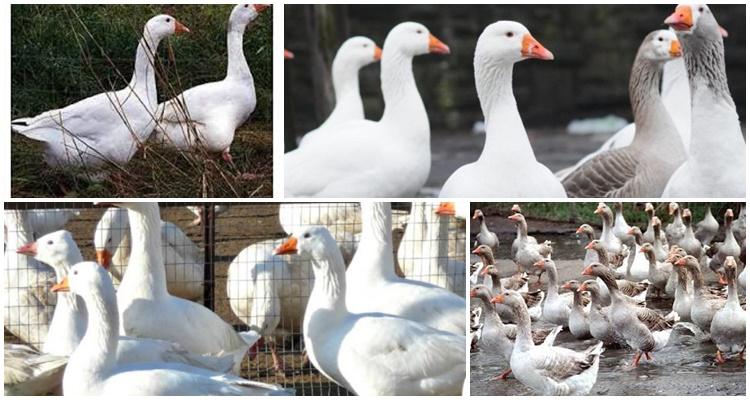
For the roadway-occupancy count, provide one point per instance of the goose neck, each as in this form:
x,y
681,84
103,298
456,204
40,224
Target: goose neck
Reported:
x,y
551,282
146,275
403,104
346,89
506,134
704,61
374,257
329,290
143,82
490,314
651,116
237,64
524,340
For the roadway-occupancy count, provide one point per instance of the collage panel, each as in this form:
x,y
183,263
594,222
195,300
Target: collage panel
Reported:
x,y
134,101
304,299
515,101
610,299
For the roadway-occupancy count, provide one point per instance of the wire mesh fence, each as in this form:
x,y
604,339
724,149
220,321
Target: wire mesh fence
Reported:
x,y
221,255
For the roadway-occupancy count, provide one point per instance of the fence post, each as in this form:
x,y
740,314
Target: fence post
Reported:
x,y
209,232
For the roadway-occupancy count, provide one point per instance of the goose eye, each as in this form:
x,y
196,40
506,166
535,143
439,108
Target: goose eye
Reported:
x,y
169,20
661,40
306,235
75,272
419,31
509,34
700,9
49,242
364,45
247,5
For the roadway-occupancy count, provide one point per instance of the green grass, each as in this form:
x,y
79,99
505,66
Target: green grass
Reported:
x,y
580,213
63,53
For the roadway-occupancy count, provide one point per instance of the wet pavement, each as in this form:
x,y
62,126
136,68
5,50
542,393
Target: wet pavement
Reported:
x,y
684,367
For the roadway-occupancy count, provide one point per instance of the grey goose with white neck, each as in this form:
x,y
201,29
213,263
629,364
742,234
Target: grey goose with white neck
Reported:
x,y
208,115
108,127
507,166
643,168
715,166
371,163
354,54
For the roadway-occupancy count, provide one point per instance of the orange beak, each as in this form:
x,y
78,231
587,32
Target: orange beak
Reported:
x,y
724,33
539,264
476,215
288,247
584,287
723,279
681,19
378,53
473,293
498,299
484,270
446,208
475,251
62,286
531,48
681,262
588,271
590,246
599,210
675,50
579,230
180,28
288,54
642,250
438,47
29,249
566,285
260,7
103,258
515,217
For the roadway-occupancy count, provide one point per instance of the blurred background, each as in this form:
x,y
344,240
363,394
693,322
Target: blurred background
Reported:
x,y
61,54
594,46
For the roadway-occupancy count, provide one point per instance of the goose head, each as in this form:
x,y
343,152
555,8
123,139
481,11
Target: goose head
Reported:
x,y
585,229
358,52
572,285
288,55
413,39
660,46
480,292
84,279
516,208
509,41
697,20
162,26
446,208
51,249
243,14
478,214
110,231
589,285
313,241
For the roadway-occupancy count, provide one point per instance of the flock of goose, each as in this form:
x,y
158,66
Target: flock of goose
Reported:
x,y
148,338
108,128
622,270
691,117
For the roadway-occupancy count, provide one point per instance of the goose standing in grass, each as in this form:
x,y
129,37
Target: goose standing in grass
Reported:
x,y
27,300
375,287
707,228
507,150
182,258
109,127
354,54
715,166
92,369
497,337
485,236
728,325
640,169
372,162
643,329
148,310
549,370
356,350
208,115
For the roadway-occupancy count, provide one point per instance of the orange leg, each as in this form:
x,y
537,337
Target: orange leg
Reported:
x,y
649,356
503,376
720,358
278,362
637,359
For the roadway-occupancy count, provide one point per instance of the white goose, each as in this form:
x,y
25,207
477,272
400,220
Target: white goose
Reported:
x,y
27,372
198,212
148,310
715,166
182,258
423,252
28,303
108,127
47,220
269,292
375,287
342,220
207,115
356,350
372,162
507,150
354,54
92,368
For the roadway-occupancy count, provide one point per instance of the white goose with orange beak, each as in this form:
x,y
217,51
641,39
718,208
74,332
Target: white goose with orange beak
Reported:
x,y
507,166
367,158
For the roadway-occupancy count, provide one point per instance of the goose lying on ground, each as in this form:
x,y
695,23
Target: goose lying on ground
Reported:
x,y
549,370
351,348
354,54
640,169
108,127
715,166
92,369
372,162
208,115
507,166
